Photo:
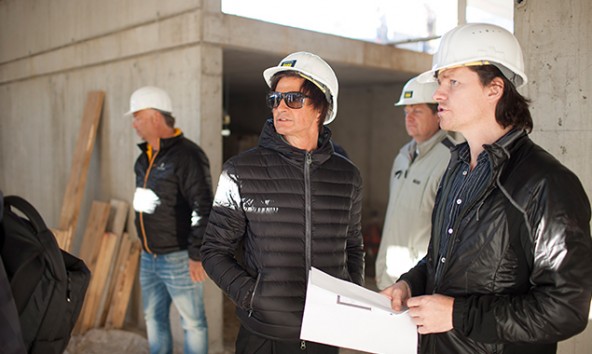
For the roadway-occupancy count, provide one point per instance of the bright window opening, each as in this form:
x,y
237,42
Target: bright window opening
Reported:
x,y
414,25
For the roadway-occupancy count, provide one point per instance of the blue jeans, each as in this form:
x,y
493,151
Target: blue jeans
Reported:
x,y
165,279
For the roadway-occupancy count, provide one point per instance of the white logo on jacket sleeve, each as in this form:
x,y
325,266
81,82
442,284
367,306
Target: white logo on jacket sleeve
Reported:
x,y
145,200
227,194
263,207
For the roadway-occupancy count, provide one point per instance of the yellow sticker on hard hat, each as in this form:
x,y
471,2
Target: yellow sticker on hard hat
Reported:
x,y
408,94
288,63
473,63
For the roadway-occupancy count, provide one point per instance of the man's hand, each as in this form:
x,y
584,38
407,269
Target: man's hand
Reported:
x,y
431,313
196,270
399,293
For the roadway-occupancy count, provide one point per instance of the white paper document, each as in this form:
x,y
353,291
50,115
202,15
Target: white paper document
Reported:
x,y
346,315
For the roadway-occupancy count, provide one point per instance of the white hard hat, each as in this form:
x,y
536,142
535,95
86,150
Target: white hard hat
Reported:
x,y
150,97
479,44
314,69
415,92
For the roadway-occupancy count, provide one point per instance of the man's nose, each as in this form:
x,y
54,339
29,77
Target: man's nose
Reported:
x,y
438,94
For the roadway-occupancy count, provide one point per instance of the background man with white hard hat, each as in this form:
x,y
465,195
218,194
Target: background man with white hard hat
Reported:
x,y
292,203
414,181
508,268
172,201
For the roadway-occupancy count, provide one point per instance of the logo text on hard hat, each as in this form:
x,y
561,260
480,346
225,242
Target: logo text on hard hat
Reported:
x,y
289,63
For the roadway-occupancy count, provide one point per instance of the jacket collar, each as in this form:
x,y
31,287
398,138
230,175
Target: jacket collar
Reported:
x,y
498,152
425,146
502,149
164,143
270,139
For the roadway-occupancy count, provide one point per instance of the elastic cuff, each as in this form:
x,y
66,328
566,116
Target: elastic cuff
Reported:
x,y
458,314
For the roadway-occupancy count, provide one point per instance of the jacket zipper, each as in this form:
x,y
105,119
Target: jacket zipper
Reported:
x,y
308,212
253,294
144,238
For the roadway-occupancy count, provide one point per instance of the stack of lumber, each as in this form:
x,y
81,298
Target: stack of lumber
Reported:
x,y
108,251
112,256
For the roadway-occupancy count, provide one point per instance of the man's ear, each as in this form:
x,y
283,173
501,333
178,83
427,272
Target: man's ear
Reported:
x,y
156,117
496,88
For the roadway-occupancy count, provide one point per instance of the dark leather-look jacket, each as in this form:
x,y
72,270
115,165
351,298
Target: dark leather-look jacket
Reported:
x,y
518,264
179,174
289,210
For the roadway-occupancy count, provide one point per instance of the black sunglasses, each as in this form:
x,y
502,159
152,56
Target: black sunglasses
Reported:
x,y
294,100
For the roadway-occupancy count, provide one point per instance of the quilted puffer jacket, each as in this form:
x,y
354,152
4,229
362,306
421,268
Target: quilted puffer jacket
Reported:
x,y
285,210
179,174
518,262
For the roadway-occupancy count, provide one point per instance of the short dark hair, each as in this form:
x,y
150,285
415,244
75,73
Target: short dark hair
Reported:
x,y
168,118
314,93
512,108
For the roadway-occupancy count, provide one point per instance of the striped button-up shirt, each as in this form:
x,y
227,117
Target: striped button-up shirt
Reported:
x,y
466,186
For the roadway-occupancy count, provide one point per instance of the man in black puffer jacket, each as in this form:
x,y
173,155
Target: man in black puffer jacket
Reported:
x,y
508,266
291,203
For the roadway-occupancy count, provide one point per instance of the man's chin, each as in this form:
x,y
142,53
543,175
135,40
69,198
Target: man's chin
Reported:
x,y
281,126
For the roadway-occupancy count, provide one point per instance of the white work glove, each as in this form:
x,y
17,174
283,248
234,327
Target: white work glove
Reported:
x,y
145,200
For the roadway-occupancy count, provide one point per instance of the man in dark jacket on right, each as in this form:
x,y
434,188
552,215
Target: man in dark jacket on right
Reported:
x,y
508,267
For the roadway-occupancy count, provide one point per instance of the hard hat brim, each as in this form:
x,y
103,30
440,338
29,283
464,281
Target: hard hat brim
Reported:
x,y
429,76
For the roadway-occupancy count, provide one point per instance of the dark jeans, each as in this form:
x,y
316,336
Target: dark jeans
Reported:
x,y
250,343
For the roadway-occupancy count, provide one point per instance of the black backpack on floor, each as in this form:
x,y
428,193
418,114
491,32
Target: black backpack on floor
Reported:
x,y
47,283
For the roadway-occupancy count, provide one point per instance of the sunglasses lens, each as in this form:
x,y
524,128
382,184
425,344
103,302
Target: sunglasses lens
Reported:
x,y
274,99
294,100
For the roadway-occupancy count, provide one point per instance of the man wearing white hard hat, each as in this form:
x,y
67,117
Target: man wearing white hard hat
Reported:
x,y
414,181
290,204
508,268
172,201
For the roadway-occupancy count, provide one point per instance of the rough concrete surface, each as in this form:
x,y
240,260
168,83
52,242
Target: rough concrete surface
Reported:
x,y
102,341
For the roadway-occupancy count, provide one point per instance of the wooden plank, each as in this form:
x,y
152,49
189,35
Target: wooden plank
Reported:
x,y
118,216
115,225
80,162
122,256
62,237
125,276
93,234
97,281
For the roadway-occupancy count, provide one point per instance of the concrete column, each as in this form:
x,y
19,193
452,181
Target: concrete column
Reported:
x,y
554,36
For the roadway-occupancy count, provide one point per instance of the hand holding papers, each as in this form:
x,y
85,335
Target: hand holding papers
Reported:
x,y
344,314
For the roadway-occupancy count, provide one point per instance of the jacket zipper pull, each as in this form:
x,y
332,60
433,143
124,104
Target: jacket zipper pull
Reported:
x,y
302,345
308,158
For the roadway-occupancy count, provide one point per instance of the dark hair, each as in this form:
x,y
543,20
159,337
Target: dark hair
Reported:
x,y
315,95
168,118
512,108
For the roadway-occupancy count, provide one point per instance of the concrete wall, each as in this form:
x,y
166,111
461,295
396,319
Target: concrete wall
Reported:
x,y
555,37
53,53
372,130
44,83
